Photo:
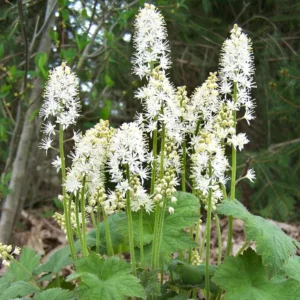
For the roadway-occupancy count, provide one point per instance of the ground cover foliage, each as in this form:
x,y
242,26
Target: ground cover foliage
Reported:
x,y
135,195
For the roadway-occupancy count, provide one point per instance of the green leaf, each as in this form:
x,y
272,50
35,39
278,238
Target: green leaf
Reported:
x,y
187,213
292,268
40,61
23,270
19,288
108,81
68,55
108,279
65,14
272,244
116,236
62,3
244,278
84,14
81,40
56,294
105,110
58,260
150,283
188,277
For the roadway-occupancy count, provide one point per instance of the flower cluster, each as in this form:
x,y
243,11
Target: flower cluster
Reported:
x,y
127,148
89,159
150,41
236,76
6,254
209,166
160,104
203,106
61,102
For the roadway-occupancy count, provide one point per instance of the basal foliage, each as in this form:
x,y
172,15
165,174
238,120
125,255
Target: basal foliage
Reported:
x,y
188,137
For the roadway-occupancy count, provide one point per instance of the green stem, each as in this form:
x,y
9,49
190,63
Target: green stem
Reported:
x,y
155,233
219,234
141,238
98,222
183,185
82,203
162,211
77,220
65,199
110,250
130,226
154,153
202,243
93,219
245,246
208,228
233,178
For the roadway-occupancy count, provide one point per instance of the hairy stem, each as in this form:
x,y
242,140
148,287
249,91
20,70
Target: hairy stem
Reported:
x,y
78,227
208,228
110,250
141,238
233,178
82,202
219,234
98,222
65,198
130,226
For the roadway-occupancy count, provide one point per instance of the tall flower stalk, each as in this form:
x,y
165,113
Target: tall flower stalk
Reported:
x,y
62,106
236,81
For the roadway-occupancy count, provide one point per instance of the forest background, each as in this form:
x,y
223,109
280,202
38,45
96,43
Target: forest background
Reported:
x,y
94,37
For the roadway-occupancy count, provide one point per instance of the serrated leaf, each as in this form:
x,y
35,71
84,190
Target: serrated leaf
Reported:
x,y
244,278
292,268
56,294
56,261
23,270
272,244
19,288
108,279
116,236
187,212
150,283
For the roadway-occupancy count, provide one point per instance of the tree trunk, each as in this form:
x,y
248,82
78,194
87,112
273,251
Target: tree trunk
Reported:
x,y
13,200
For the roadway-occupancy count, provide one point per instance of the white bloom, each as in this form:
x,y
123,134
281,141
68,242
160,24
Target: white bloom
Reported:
x,y
46,143
57,163
250,175
128,147
150,41
236,66
61,100
171,210
238,141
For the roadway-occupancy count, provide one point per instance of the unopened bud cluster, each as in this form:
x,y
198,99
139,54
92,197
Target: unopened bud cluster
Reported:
x,y
139,198
196,259
115,202
6,254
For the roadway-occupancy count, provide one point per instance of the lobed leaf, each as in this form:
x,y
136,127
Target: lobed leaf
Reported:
x,y
244,278
272,244
108,279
